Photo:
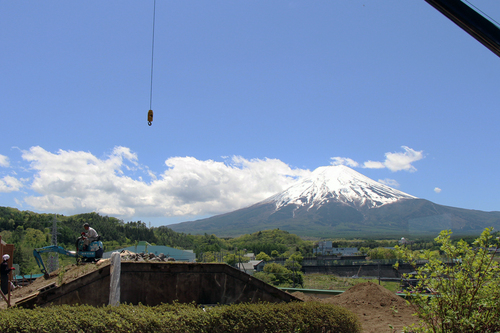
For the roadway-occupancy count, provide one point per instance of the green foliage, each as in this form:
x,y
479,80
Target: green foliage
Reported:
x,y
168,237
293,263
263,256
333,282
268,241
465,286
242,318
382,253
280,275
207,243
297,257
232,259
35,238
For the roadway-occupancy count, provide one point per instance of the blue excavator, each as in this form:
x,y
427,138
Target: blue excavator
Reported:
x,y
83,254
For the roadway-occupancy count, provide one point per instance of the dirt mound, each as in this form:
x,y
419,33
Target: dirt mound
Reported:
x,y
377,308
306,298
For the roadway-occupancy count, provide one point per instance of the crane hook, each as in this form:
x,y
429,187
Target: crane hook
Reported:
x,y
150,117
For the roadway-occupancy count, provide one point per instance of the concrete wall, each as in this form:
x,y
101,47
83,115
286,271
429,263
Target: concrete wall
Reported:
x,y
156,283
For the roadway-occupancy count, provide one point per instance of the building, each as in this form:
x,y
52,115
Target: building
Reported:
x,y
326,248
145,247
251,266
250,255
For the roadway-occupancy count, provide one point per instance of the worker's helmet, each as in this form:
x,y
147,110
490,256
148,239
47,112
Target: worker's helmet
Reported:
x,y
86,225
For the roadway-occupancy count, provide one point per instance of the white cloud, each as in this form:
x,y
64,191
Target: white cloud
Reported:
x,y
78,182
9,184
403,161
373,165
344,161
393,161
437,190
389,182
4,161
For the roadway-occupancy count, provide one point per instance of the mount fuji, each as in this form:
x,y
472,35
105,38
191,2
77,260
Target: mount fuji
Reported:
x,y
337,184
336,201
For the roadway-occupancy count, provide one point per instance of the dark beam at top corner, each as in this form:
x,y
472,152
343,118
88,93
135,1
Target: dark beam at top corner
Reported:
x,y
471,21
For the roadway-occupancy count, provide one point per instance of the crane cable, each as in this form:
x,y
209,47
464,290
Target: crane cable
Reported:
x,y
150,112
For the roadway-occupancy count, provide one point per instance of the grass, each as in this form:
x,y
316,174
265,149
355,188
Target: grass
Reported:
x,y
332,282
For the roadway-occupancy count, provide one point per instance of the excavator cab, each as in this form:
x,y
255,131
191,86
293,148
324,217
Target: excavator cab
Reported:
x,y
93,252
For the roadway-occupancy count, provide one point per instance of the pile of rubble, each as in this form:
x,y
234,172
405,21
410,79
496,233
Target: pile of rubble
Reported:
x,y
151,257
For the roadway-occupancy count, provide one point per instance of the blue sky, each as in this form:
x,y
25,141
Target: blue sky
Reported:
x,y
248,97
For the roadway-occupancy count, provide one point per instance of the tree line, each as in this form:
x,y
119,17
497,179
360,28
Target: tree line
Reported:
x,y
28,230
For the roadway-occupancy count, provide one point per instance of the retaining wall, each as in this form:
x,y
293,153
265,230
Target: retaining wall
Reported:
x,y
155,283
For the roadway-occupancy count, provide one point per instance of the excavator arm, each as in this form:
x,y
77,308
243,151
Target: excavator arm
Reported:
x,y
46,249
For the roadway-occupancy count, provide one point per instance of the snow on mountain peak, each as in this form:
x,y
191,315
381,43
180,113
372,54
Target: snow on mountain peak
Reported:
x,y
338,183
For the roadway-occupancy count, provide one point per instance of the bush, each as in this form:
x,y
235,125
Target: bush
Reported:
x,y
461,293
242,318
279,275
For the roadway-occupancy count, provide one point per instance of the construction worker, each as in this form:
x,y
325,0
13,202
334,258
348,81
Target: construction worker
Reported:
x,y
4,273
89,236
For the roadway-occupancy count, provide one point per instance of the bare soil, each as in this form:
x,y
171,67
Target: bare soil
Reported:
x,y
379,310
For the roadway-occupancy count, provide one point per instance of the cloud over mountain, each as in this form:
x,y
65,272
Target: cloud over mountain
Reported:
x,y
393,161
79,181
119,184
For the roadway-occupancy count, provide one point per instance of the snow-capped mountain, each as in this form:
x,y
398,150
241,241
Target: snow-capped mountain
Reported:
x,y
336,201
337,183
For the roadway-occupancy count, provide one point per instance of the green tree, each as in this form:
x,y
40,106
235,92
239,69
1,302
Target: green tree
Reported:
x,y
6,236
279,275
263,256
382,253
232,259
208,257
466,284
35,238
293,263
364,250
